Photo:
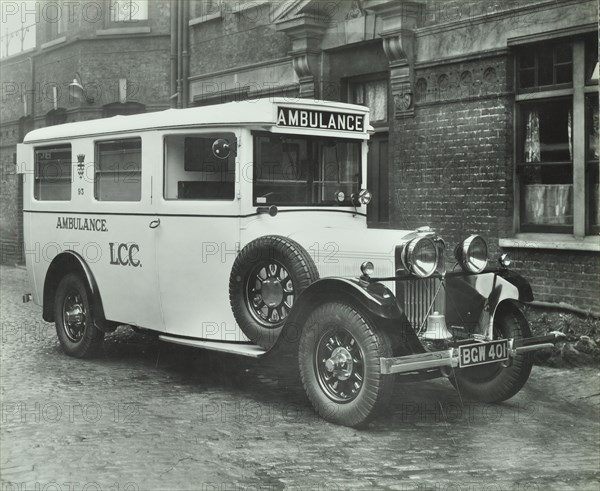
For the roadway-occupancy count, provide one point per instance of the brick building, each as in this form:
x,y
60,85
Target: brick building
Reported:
x,y
485,113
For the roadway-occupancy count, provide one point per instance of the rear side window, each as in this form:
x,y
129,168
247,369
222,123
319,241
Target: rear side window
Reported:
x,y
53,166
118,170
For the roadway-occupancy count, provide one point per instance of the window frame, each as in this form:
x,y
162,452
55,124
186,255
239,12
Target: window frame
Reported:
x,y
97,144
350,84
111,23
578,91
199,132
37,180
313,139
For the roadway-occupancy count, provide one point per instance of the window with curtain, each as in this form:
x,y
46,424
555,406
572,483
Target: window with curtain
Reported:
x,y
374,95
551,82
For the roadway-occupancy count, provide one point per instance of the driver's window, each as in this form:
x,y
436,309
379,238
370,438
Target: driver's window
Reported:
x,y
200,167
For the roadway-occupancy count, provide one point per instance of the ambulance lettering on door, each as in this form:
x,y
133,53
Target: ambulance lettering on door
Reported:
x,y
122,254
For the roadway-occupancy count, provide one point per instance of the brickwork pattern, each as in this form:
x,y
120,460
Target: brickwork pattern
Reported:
x,y
452,169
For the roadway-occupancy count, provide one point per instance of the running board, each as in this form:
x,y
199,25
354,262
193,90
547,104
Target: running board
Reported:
x,y
251,350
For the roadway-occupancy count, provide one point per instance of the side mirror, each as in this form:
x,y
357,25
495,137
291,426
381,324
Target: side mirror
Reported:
x,y
221,148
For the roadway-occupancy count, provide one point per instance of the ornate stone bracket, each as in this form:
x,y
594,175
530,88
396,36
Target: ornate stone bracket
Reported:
x,y
306,32
399,20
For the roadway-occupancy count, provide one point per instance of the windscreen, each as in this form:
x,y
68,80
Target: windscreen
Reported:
x,y
305,171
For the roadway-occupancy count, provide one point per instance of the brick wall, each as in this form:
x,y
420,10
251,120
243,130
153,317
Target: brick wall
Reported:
x,y
452,169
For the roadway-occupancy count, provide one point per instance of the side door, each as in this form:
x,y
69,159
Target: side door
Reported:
x,y
115,209
199,233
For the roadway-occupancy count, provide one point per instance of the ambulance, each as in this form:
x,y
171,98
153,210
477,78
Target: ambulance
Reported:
x,y
242,228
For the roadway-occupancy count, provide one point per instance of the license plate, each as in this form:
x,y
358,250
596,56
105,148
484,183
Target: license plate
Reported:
x,y
482,353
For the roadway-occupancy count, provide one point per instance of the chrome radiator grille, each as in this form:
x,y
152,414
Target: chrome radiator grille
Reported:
x,y
416,296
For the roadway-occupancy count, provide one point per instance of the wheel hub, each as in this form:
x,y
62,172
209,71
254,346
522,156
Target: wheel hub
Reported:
x,y
272,292
340,363
75,315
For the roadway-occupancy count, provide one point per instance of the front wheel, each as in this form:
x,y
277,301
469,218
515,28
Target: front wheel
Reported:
x,y
339,356
75,328
494,382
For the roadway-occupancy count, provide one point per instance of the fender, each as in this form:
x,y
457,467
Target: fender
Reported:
x,y
374,299
525,291
71,262
472,300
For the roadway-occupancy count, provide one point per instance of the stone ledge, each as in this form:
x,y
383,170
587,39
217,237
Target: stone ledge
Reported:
x,y
552,242
54,42
123,31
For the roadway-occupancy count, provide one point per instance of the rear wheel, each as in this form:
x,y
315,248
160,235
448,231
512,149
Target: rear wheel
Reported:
x,y
339,354
75,328
494,382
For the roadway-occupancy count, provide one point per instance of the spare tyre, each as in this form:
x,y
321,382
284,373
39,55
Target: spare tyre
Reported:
x,y
266,279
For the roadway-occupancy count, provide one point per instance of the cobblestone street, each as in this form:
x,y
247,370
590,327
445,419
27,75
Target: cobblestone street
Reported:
x,y
148,415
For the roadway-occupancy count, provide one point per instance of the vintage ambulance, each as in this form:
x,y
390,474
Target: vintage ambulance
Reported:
x,y
242,228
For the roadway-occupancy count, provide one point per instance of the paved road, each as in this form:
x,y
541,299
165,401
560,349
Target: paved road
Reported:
x,y
147,415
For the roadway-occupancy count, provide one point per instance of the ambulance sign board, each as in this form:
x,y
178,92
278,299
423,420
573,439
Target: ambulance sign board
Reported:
x,y
292,117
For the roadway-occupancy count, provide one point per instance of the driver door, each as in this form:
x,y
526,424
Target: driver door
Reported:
x,y
199,233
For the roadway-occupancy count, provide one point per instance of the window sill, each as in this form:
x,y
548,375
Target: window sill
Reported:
x,y
552,241
205,18
123,31
54,42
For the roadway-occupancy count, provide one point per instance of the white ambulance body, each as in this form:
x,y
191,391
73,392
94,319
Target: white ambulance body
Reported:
x,y
163,263
242,228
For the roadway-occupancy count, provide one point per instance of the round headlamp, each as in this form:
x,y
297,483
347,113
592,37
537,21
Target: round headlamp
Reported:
x,y
340,196
472,254
364,196
367,268
420,257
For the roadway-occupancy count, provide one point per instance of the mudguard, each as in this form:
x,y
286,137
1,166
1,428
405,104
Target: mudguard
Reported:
x,y
472,300
69,262
373,299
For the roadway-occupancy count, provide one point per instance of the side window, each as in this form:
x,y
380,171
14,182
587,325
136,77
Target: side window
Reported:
x,y
53,167
118,170
200,167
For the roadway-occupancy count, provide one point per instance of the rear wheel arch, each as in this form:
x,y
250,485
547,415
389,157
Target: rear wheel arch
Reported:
x,y
62,265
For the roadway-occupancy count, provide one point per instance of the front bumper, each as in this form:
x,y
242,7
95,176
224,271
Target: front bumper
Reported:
x,y
450,358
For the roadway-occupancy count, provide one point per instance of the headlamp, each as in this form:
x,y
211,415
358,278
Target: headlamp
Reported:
x,y
420,257
472,254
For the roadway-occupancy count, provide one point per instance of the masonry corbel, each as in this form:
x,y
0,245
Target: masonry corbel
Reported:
x,y
306,33
399,20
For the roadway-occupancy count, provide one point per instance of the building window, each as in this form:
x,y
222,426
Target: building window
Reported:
x,y
374,95
118,170
557,138
128,10
17,36
545,66
52,173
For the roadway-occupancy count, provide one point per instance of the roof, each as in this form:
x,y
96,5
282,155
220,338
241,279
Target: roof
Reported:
x,y
258,112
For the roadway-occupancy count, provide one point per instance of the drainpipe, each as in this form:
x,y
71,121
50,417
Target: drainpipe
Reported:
x,y
179,51
173,67
32,90
185,53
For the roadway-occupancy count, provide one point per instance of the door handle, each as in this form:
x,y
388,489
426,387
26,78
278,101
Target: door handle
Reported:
x,y
154,223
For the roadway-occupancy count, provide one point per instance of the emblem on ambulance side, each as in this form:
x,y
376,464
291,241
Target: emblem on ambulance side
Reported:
x,y
80,165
